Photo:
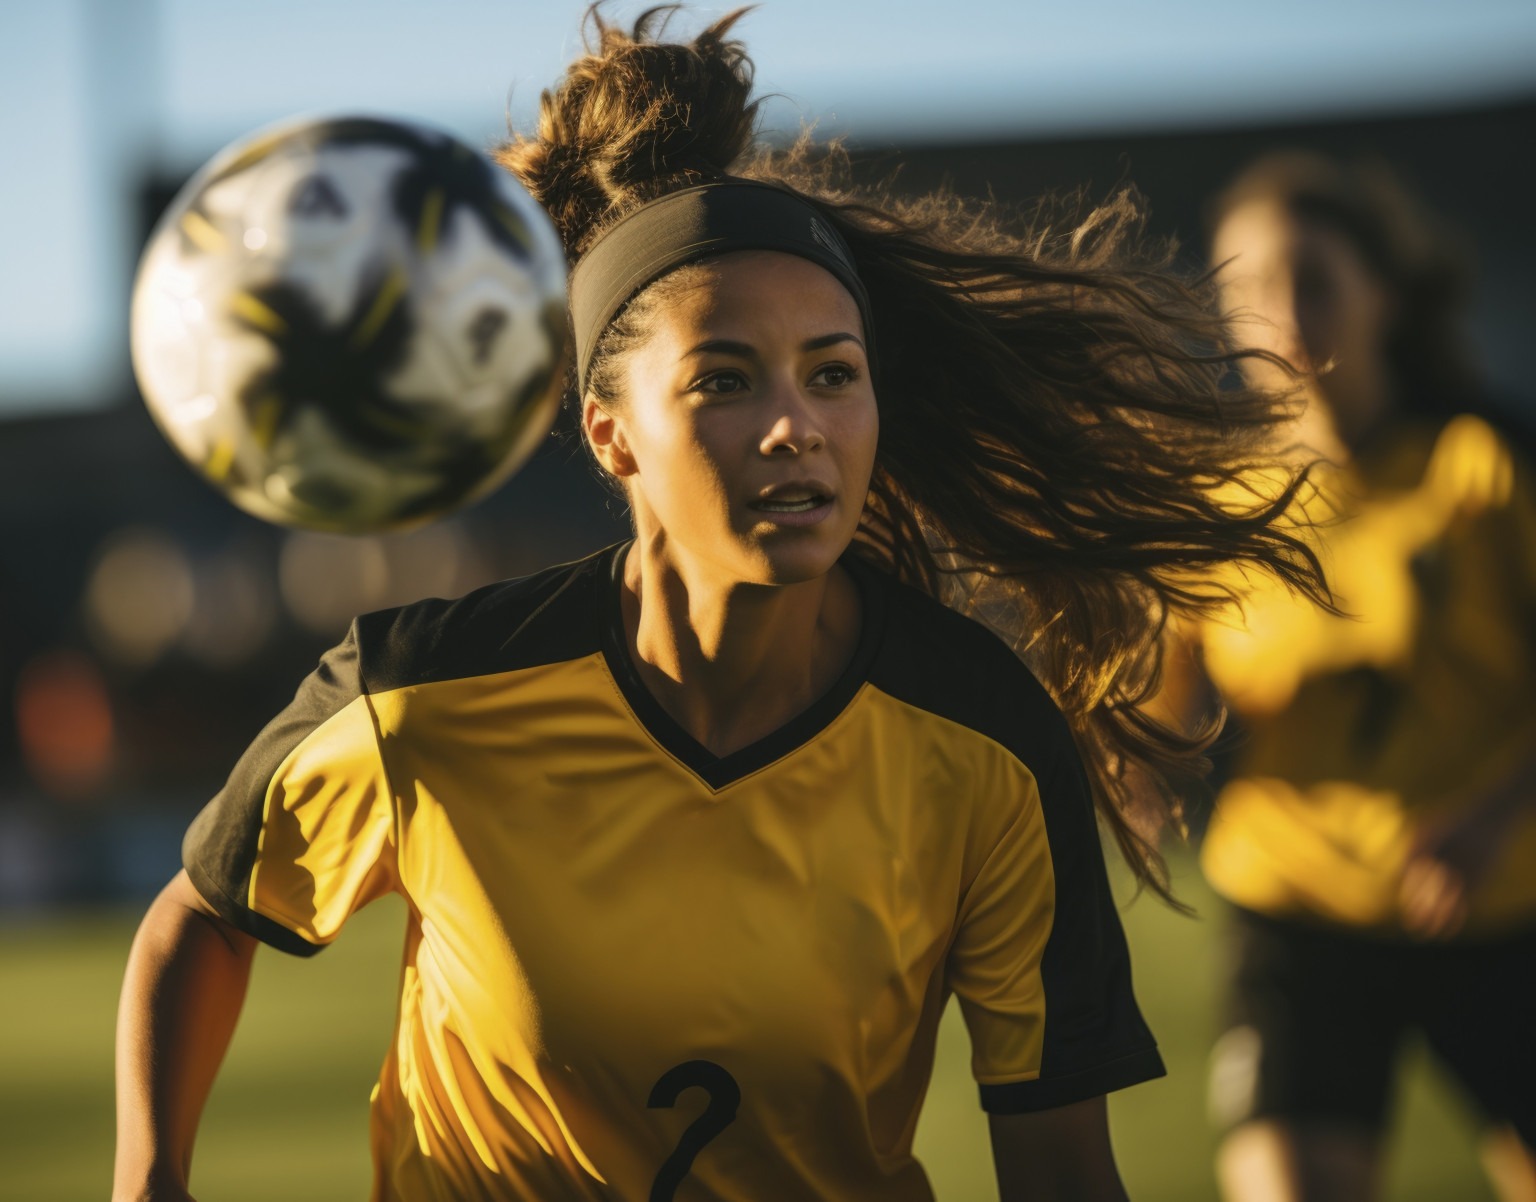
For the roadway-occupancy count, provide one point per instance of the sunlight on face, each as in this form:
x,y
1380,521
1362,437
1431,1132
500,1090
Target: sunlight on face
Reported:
x,y
1302,291
747,431
1254,246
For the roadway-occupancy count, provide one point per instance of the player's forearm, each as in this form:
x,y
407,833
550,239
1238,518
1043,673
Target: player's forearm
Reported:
x,y
182,993
1058,1155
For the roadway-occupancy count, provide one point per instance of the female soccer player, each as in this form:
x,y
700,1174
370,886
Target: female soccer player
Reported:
x,y
1378,836
698,835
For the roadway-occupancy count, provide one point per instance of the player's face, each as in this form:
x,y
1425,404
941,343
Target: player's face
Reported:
x,y
1301,289
747,428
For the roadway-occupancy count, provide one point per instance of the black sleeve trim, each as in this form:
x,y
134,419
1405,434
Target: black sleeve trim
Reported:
x,y
258,926
220,847
1026,1097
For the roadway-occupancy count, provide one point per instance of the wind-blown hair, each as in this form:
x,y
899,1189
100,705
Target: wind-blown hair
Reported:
x,y
1062,431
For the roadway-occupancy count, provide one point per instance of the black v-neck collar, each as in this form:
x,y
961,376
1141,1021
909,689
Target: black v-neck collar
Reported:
x,y
720,771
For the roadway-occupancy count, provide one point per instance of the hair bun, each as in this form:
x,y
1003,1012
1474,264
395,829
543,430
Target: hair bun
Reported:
x,y
633,119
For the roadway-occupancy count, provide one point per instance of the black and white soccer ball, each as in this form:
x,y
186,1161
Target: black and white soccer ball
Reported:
x,y
352,325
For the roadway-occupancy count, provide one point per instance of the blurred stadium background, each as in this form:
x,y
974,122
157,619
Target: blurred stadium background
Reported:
x,y
148,629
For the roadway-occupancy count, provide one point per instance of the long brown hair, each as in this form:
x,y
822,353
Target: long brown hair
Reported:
x,y
1062,426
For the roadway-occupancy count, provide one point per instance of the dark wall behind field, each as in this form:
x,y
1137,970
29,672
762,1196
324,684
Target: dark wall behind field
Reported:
x,y
71,484
1475,168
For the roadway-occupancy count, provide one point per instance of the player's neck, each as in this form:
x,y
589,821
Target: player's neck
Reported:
x,y
730,662
1359,403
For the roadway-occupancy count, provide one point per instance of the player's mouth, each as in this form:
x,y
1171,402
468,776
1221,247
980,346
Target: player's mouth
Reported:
x,y
800,504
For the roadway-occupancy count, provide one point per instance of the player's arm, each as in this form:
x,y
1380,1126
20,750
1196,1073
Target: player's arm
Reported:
x,y
1057,1155
182,994
1452,855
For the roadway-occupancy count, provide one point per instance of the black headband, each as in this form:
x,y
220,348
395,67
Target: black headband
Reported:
x,y
693,224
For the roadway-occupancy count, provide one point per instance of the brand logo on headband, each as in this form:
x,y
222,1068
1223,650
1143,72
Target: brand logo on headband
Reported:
x,y
827,238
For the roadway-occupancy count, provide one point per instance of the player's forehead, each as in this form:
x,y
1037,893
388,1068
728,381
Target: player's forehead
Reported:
x,y
1255,238
755,296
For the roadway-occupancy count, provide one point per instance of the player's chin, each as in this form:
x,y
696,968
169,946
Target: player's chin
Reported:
x,y
784,556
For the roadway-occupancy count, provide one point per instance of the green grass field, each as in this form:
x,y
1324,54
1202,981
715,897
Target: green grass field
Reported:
x,y
288,1119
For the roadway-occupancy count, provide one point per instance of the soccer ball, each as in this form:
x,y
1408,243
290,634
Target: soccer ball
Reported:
x,y
351,325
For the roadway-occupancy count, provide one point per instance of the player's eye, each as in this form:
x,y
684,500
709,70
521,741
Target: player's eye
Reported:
x,y
835,375
719,383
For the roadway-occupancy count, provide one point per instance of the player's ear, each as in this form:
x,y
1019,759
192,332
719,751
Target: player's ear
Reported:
x,y
605,435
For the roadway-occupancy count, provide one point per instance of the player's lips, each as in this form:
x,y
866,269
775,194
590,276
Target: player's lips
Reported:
x,y
801,503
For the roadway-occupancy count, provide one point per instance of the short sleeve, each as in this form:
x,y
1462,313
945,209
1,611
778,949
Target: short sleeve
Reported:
x,y
303,833
1039,963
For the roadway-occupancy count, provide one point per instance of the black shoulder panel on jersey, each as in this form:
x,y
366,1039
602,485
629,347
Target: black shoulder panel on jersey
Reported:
x,y
541,619
219,849
943,662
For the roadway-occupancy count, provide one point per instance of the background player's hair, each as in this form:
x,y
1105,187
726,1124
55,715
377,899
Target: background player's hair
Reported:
x,y
1061,427
1422,264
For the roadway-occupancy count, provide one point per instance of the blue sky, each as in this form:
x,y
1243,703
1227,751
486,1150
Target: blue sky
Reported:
x,y
93,91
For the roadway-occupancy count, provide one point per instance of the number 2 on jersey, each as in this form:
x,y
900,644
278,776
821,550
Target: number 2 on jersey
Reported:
x,y
724,1098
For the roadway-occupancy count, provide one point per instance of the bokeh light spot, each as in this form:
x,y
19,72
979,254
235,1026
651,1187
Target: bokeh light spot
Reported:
x,y
139,596
64,724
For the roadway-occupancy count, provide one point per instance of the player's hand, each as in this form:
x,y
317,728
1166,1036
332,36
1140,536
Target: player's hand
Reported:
x,y
1451,857
1452,854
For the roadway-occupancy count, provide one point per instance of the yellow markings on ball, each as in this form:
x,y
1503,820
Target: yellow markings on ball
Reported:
x,y
249,155
430,226
514,226
264,421
383,305
204,235
400,425
253,312
220,459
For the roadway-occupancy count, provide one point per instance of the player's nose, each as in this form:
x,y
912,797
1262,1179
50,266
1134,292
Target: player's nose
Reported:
x,y
795,425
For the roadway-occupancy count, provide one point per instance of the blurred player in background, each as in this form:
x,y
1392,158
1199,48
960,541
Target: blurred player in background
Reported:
x,y
698,835
1378,832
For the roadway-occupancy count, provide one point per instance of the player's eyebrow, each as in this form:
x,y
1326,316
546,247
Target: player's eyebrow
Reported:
x,y
826,340
744,350
722,346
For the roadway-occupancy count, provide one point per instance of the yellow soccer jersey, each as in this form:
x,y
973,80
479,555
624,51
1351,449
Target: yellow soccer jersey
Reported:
x,y
1362,727
634,970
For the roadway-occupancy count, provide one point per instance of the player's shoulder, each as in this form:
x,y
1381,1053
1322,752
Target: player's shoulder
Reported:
x,y
549,617
953,666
